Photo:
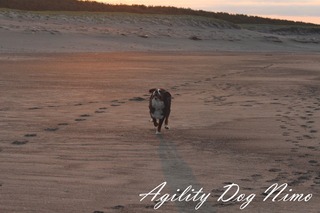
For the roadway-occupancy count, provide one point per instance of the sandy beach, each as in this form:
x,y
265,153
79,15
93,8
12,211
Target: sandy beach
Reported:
x,y
75,130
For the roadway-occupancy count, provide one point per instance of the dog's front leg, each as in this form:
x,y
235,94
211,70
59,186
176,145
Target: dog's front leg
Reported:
x,y
155,123
159,126
166,122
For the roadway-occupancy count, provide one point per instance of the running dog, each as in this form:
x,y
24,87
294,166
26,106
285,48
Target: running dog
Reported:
x,y
160,107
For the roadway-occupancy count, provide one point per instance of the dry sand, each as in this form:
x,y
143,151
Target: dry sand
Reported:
x,y
75,135
107,32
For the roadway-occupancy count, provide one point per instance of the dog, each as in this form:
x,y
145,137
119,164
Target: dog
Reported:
x,y
160,108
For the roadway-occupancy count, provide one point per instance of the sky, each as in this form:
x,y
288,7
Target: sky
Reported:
x,y
296,10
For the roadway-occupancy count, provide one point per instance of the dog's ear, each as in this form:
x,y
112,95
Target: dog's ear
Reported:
x,y
152,90
163,90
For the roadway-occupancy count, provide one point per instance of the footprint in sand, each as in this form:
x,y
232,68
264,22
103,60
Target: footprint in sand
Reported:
x,y
313,161
307,136
80,119
51,129
34,108
20,142
256,176
101,110
115,105
245,180
285,134
274,170
84,115
115,101
304,156
227,183
118,207
30,135
138,99
217,192
149,207
312,148
174,88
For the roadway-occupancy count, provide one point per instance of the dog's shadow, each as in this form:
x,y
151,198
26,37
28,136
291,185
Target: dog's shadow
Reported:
x,y
178,174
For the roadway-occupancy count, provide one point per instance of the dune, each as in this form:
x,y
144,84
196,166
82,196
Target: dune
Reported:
x,y
23,31
75,134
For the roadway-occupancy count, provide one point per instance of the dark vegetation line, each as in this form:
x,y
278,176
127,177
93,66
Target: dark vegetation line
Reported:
x,y
92,6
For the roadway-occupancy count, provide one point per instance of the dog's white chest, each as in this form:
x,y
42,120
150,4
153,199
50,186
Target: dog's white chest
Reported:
x,y
158,105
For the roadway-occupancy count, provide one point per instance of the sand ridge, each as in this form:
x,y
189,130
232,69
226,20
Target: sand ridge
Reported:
x,y
23,31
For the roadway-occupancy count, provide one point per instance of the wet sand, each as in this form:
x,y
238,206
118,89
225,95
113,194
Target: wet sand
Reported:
x,y
76,136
